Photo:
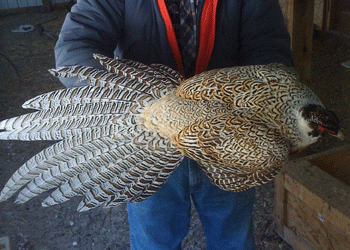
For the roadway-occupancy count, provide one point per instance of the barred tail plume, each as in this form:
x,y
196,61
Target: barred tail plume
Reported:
x,y
102,152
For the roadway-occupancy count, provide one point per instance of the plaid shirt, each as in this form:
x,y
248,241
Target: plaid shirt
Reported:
x,y
183,17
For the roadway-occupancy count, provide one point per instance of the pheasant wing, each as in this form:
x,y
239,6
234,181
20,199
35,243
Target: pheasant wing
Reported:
x,y
244,86
237,151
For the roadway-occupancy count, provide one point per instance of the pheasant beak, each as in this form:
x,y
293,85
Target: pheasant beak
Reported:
x,y
339,135
324,131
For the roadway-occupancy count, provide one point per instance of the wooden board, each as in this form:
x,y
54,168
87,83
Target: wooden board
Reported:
x,y
312,208
336,164
299,18
302,37
344,22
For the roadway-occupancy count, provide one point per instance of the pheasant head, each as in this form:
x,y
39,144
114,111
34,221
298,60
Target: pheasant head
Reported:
x,y
315,121
322,121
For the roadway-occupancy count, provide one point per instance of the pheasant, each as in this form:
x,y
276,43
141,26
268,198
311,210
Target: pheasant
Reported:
x,y
122,135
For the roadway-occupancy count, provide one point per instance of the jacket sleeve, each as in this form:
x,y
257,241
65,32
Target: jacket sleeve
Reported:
x,y
264,37
92,26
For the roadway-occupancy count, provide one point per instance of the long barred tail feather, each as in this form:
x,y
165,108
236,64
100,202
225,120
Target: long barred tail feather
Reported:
x,y
81,95
65,165
156,80
140,180
170,74
101,78
136,70
58,123
110,164
161,79
102,152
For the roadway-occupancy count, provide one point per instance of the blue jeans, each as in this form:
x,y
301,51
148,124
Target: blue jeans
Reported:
x,y
162,221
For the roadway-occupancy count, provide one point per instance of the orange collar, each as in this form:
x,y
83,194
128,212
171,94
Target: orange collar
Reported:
x,y
206,38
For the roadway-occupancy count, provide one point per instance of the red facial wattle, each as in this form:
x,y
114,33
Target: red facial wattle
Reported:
x,y
323,130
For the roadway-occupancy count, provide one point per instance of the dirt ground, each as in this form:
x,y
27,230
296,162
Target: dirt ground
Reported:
x,y
24,60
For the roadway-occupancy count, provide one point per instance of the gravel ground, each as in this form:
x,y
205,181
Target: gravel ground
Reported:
x,y
24,60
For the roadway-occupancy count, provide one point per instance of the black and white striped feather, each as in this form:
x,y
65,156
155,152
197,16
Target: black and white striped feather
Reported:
x,y
103,154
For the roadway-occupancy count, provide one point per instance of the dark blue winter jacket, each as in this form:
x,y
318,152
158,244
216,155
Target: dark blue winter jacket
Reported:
x,y
247,32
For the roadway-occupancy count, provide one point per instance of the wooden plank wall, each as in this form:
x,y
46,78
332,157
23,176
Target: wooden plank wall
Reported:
x,y
299,18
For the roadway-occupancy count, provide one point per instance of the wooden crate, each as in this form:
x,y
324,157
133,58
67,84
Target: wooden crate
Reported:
x,y
312,201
